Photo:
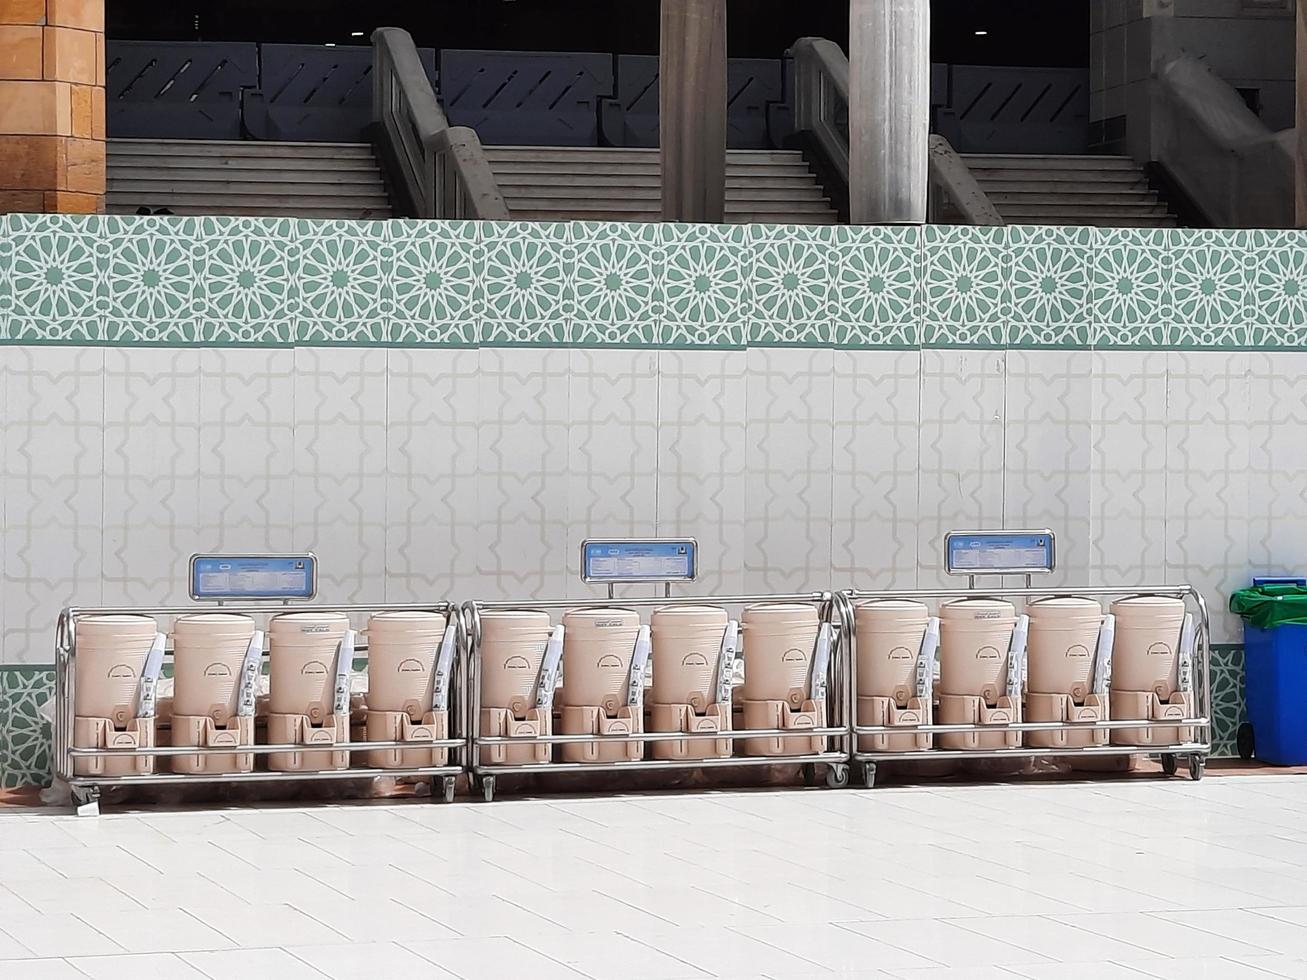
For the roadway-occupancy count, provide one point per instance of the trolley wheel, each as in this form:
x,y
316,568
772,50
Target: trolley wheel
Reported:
x,y
809,774
1197,766
1169,764
837,776
450,787
86,800
869,775
488,788
1246,742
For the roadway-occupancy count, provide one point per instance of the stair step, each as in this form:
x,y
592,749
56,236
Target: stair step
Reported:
x,y
561,180
269,210
654,195
1070,198
1022,161
185,198
732,217
993,187
557,154
584,205
647,168
1106,211
252,166
986,175
229,175
290,186
228,149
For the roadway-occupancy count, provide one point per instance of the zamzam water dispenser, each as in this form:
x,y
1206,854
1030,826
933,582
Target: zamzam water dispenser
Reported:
x,y
604,656
1152,668
217,662
981,647
520,654
1068,660
786,654
310,656
693,668
896,644
410,666
118,660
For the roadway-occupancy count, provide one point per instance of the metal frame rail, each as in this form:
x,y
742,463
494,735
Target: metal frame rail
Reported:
x,y
1194,751
86,789
839,730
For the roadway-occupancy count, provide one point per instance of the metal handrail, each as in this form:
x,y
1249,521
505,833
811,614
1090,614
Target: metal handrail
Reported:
x,y
443,169
821,107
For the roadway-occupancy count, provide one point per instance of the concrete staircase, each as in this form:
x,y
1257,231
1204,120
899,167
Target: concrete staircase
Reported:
x,y
306,180
605,184
1070,190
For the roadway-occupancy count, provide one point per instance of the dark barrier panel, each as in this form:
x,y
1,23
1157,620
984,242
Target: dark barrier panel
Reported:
x,y
532,98
177,89
1016,110
631,118
314,93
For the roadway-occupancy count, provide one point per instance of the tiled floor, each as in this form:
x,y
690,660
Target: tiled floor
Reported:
x,y
1101,881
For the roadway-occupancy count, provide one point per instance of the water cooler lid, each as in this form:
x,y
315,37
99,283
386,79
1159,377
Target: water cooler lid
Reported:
x,y
1147,606
297,623
890,613
972,610
688,616
604,618
126,625
215,625
1065,611
407,623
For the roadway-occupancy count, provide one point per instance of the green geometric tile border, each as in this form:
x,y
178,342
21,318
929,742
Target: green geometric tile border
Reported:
x,y
25,734
282,282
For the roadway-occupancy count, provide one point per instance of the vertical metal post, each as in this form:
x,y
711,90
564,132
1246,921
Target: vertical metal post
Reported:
x,y
889,111
692,106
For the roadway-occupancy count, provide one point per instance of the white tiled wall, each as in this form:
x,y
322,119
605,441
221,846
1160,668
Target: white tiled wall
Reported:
x,y
475,473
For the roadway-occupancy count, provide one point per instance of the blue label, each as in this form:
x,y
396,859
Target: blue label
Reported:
x,y
639,561
238,577
995,552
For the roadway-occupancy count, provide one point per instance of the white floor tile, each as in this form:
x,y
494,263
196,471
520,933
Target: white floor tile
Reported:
x,y
157,891
493,958
484,916
371,920
137,966
249,964
1080,971
840,947
57,934
1271,933
51,969
156,931
264,925
1160,935
94,862
1269,968
946,943
730,951
601,954
366,961
1051,938
83,894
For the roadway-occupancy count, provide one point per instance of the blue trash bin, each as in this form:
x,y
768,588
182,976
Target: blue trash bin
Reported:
x,y
1275,690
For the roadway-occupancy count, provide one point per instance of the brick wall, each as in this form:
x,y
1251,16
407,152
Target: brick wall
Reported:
x,y
52,150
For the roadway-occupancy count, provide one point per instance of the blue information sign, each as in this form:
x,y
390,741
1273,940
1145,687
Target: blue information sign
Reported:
x,y
653,560
232,577
999,552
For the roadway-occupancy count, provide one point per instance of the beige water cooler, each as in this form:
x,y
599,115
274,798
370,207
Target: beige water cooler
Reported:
x,y
693,662
217,659
780,641
1146,670
975,640
895,667
308,661
601,695
410,661
113,702
511,659
1062,654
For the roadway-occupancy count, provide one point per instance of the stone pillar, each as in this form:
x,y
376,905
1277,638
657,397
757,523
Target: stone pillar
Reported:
x,y
52,151
889,111
692,106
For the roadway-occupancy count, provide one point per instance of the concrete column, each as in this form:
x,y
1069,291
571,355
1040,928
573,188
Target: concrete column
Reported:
x,y
889,111
52,154
1302,114
692,103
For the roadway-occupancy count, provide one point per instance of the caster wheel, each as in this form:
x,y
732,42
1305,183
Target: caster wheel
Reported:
x,y
809,774
1197,766
86,801
1169,764
869,775
488,788
450,787
837,776
1245,741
